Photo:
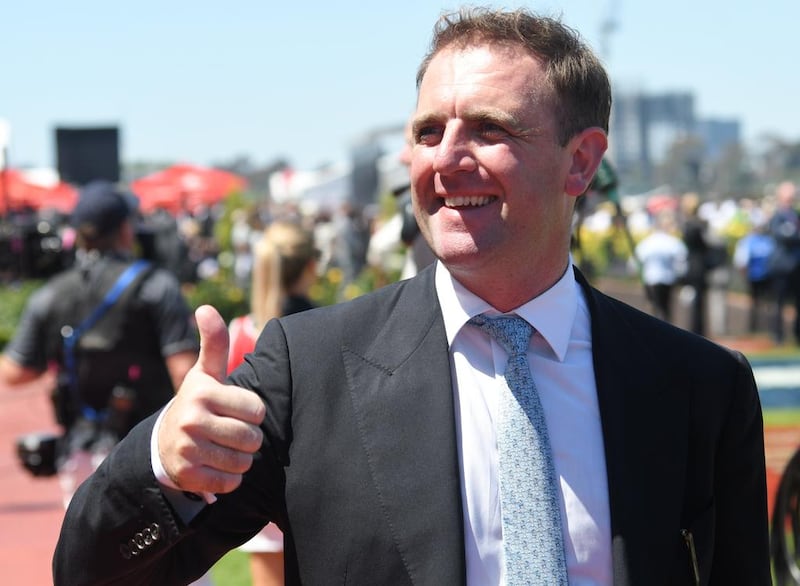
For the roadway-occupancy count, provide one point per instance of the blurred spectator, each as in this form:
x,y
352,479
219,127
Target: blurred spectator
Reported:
x,y
242,234
784,227
751,258
695,232
418,251
31,244
324,237
386,250
167,247
352,228
284,268
119,368
662,257
197,230
402,229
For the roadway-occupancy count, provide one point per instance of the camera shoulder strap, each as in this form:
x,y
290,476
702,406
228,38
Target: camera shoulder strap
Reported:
x,y
72,335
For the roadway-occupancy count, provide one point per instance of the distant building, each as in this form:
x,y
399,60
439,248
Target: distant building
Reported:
x,y
719,135
644,127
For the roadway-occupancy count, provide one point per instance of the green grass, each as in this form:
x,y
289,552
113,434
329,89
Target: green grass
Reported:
x,y
232,570
12,299
787,352
781,417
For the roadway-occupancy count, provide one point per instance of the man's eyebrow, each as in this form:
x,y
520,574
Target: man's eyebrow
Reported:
x,y
476,115
502,117
422,121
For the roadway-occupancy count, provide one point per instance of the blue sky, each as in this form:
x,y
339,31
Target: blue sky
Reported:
x,y
206,81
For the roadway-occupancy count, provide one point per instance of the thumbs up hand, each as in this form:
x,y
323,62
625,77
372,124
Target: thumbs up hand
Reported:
x,y
210,431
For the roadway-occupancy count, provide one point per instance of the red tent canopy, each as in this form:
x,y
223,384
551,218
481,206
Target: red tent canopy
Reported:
x,y
27,189
661,203
185,188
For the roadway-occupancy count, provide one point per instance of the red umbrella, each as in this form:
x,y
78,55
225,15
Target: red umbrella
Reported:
x,y
35,190
661,203
185,187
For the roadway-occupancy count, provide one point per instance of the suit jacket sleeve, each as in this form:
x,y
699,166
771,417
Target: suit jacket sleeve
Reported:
x,y
359,466
119,525
120,528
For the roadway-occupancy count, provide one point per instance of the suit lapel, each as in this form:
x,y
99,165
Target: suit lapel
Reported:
x,y
645,431
401,389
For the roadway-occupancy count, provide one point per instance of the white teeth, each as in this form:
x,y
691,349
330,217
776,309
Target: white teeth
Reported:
x,y
472,200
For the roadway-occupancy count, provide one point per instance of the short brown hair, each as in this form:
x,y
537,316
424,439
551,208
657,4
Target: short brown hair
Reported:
x,y
579,80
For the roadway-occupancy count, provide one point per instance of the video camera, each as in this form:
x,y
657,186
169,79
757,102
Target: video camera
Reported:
x,y
38,451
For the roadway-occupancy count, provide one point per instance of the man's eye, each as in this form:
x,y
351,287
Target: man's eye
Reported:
x,y
427,135
491,130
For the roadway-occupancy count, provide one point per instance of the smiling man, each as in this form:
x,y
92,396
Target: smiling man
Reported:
x,y
493,420
495,179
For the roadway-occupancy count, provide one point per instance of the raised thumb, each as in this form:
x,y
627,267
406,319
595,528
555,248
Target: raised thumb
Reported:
x,y
213,358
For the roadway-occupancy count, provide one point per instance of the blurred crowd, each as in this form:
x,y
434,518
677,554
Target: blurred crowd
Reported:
x,y
683,248
692,251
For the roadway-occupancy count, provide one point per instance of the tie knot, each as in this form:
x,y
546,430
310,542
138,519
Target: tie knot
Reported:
x,y
510,331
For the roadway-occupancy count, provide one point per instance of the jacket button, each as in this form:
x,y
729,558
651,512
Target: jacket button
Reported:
x,y
132,547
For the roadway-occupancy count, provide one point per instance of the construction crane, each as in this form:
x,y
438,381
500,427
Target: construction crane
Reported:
x,y
608,27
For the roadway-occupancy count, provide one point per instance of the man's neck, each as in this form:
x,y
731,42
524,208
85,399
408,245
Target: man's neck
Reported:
x,y
508,291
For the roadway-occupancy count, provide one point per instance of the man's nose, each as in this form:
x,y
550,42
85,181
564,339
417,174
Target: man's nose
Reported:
x,y
455,153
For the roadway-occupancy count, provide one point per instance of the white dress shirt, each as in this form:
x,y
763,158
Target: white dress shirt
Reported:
x,y
560,357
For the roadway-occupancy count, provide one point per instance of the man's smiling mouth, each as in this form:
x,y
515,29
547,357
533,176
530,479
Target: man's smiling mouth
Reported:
x,y
468,201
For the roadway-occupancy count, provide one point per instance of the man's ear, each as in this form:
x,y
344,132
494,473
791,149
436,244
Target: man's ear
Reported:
x,y
588,149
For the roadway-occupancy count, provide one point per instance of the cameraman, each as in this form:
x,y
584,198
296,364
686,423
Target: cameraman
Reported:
x,y
124,362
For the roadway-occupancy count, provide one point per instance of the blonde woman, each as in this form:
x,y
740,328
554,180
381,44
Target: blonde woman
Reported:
x,y
284,268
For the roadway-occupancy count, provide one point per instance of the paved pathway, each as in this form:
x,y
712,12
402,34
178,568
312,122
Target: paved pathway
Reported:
x,y
30,508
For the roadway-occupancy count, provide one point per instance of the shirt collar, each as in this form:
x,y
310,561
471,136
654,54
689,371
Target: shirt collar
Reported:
x,y
552,313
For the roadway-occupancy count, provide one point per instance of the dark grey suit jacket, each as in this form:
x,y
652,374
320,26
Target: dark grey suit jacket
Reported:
x,y
360,464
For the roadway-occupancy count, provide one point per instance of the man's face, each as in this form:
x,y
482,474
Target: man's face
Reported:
x,y
487,172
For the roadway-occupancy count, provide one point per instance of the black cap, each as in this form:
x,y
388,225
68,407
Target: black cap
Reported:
x,y
101,208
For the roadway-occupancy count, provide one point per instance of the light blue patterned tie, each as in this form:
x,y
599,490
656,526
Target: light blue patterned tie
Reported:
x,y
532,539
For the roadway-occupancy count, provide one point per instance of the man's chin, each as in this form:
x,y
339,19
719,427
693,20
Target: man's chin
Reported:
x,y
463,258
